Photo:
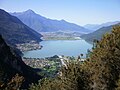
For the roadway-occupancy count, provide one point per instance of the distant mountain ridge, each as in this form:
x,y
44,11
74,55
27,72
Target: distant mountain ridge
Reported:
x,y
98,26
14,31
98,33
42,24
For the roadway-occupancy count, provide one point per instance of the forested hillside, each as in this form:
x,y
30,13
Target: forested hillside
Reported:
x,y
97,35
14,31
101,71
14,73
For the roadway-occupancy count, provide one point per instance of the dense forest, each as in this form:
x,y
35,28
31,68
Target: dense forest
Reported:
x,y
100,71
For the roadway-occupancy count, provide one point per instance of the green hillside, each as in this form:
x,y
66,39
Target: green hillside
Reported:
x,y
97,34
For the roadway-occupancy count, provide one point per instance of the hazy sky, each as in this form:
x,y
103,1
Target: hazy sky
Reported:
x,y
76,11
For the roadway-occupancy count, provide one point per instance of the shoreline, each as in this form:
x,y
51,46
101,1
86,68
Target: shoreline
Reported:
x,y
28,46
60,38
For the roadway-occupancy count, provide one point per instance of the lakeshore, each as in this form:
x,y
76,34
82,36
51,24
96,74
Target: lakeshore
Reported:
x,y
29,46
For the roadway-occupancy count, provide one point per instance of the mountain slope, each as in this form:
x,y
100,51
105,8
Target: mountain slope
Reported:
x,y
97,34
42,24
11,63
14,31
98,26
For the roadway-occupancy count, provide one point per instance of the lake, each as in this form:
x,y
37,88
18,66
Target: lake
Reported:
x,y
59,47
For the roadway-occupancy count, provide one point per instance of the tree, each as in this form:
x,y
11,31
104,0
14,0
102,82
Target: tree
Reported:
x,y
104,63
14,84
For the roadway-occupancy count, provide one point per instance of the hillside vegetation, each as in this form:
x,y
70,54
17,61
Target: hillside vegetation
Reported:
x,y
14,73
101,71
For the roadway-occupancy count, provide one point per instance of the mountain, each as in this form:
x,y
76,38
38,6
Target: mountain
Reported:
x,y
98,26
97,34
12,64
42,24
14,31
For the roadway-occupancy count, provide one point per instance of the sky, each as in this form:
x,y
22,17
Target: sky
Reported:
x,y
80,12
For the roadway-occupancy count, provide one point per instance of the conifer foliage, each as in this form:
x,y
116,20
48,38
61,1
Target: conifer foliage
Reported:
x,y
104,63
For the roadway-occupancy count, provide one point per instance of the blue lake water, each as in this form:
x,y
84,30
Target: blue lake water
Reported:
x,y
60,47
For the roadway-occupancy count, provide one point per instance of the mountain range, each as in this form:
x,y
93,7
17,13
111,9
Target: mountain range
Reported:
x,y
15,31
43,24
94,27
